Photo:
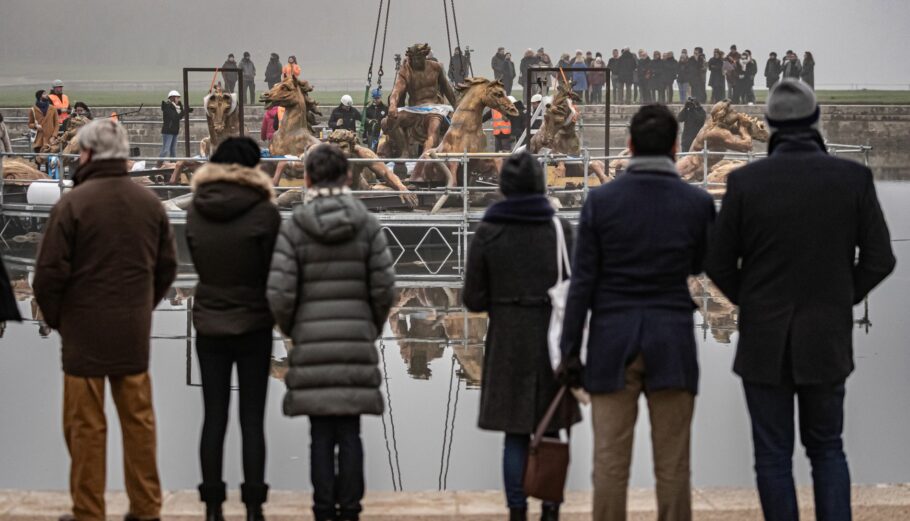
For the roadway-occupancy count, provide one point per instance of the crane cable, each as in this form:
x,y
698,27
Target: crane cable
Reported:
x,y
457,39
369,83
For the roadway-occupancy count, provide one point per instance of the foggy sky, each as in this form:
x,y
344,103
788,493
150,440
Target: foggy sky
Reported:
x,y
853,41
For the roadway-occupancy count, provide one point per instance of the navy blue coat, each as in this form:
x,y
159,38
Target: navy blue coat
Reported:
x,y
639,239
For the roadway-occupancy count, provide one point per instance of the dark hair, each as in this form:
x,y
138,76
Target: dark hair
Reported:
x,y
773,54
809,57
521,175
326,165
237,150
81,104
231,55
653,130
39,93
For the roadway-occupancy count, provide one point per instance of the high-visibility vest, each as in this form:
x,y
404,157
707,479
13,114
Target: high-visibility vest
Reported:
x,y
290,69
61,105
501,125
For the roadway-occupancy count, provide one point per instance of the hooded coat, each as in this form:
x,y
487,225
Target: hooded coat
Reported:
x,y
9,309
330,289
232,217
273,71
511,265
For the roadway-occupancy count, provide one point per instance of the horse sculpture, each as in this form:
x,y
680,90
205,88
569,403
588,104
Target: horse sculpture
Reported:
x,y
222,117
558,134
295,135
465,133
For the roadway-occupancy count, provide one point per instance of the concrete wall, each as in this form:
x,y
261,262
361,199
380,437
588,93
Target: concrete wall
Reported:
x,y
884,127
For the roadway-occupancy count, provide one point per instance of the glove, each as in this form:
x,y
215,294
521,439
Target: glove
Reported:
x,y
570,372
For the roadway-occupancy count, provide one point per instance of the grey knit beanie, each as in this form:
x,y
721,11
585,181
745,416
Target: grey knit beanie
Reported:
x,y
106,138
792,103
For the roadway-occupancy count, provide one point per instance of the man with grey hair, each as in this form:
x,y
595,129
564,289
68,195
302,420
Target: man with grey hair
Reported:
x,y
785,251
106,260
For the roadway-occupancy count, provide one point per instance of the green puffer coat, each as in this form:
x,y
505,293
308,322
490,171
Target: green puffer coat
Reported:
x,y
330,288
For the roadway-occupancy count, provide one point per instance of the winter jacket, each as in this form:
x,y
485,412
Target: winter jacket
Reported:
x,y
808,73
232,216
669,69
716,68
459,68
692,116
344,117
523,66
508,74
579,79
230,78
518,381
106,260
751,70
497,64
49,124
613,65
626,67
5,144
171,115
248,69
273,72
772,71
784,250
291,69
792,69
330,289
270,123
630,271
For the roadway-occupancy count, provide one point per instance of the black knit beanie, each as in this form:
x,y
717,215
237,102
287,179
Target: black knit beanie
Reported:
x,y
521,175
237,150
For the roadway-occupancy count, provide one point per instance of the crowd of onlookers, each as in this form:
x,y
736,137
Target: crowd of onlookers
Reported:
x,y
645,78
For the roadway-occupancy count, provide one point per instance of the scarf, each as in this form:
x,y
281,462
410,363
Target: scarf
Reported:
x,y
42,105
652,164
802,137
534,208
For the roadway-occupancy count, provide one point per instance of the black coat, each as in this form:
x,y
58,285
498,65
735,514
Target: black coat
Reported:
x,y
808,73
784,251
692,116
344,117
273,72
772,71
496,63
511,265
668,71
171,115
231,228
523,66
639,239
9,309
625,68
716,68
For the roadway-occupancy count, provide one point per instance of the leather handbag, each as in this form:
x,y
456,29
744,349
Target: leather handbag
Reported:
x,y
548,459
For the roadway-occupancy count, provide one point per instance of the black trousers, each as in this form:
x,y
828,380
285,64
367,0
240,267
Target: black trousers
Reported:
x,y
251,353
249,85
337,486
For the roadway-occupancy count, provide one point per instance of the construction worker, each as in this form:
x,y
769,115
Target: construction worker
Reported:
x,y
502,131
345,115
375,113
60,101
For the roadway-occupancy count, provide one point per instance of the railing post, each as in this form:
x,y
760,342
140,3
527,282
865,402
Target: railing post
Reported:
x,y
464,208
704,166
586,163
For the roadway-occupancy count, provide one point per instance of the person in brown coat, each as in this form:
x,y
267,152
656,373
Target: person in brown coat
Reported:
x,y
42,118
106,260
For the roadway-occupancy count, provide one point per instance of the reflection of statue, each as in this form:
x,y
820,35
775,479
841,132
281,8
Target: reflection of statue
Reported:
x,y
718,312
725,130
421,90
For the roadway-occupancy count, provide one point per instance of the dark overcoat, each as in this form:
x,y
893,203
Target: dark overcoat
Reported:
x,y
784,251
639,239
511,265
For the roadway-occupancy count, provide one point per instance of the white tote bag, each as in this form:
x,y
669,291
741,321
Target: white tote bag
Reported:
x,y
559,293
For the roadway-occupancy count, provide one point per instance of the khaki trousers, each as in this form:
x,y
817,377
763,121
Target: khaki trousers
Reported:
x,y
85,430
614,416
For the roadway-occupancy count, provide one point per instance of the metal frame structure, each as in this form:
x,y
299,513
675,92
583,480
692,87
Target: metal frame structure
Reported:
x,y
528,93
186,98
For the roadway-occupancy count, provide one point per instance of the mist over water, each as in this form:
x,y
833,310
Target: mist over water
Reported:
x,y
853,42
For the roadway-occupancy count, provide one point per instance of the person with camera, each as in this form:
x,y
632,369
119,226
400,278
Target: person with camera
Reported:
x,y
375,112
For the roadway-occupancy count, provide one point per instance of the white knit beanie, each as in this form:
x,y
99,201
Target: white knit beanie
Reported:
x,y
106,138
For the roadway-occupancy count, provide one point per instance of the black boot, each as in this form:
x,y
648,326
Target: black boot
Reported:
x,y
518,514
549,513
213,512
254,513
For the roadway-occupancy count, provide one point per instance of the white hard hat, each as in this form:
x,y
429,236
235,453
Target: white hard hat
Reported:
x,y
57,83
537,98
512,99
173,93
347,101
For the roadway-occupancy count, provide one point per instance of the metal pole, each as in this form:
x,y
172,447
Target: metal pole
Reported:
x,y
705,166
464,205
607,103
186,112
240,100
586,154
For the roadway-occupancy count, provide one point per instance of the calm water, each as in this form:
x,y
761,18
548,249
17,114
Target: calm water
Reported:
x,y
428,439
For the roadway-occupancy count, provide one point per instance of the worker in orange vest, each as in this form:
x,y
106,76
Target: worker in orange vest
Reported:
x,y
60,101
502,131
292,68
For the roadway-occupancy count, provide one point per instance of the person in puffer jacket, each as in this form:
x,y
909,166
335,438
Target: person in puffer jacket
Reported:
x,y
330,288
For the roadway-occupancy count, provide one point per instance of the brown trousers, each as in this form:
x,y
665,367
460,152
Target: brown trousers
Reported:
x,y
614,416
85,430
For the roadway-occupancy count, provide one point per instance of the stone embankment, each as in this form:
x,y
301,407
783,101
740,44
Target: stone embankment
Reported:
x,y
870,503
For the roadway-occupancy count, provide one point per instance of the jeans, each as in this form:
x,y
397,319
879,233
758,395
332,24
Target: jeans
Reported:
x,y
821,423
514,457
683,91
168,145
85,432
336,495
251,353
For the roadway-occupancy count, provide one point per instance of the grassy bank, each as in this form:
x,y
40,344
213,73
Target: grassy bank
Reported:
x,y
23,97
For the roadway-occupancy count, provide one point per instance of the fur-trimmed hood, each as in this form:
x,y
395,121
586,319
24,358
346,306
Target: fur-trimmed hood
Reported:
x,y
223,192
